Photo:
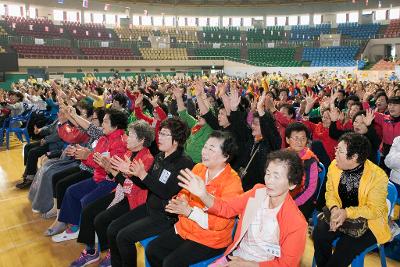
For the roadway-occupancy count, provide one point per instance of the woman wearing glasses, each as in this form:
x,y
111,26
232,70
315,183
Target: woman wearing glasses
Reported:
x,y
161,181
305,194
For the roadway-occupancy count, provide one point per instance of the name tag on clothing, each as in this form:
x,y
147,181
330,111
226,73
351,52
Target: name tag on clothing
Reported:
x,y
273,249
164,176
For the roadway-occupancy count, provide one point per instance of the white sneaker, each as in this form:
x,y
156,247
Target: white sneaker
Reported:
x,y
65,236
35,211
394,229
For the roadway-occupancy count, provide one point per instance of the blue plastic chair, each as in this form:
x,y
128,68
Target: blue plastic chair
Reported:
x,y
205,263
3,130
321,178
359,260
20,132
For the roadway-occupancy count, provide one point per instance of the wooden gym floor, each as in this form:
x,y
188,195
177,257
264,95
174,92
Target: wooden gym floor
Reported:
x,y
22,243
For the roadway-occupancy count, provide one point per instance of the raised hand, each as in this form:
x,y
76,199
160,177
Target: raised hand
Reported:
x,y
191,182
154,101
139,100
310,99
369,117
234,100
178,92
335,114
260,104
199,87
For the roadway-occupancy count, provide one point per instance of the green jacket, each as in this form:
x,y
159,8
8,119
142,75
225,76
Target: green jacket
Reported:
x,y
195,142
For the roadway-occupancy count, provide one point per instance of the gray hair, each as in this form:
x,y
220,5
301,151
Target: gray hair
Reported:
x,y
143,131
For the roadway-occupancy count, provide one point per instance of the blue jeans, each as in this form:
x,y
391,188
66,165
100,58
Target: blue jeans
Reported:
x,y
79,196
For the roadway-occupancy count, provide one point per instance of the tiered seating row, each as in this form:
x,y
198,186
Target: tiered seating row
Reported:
x,y
90,31
218,52
393,30
43,50
221,35
274,56
338,56
164,54
108,53
34,27
359,31
305,32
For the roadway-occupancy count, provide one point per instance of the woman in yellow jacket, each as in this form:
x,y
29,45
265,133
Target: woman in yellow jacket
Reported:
x,y
199,235
356,188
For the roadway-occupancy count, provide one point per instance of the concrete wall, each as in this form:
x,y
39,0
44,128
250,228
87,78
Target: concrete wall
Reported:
x,y
375,48
330,7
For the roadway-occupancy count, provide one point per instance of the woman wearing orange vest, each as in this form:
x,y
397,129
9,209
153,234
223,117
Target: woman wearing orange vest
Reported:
x,y
198,235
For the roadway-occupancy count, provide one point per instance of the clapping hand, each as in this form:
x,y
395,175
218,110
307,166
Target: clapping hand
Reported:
x,y
191,182
137,169
121,165
179,205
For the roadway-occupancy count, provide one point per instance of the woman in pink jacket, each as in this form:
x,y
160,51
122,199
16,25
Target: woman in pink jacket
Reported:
x,y
271,230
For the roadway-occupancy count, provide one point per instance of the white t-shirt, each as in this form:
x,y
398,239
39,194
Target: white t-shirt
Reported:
x,y
261,241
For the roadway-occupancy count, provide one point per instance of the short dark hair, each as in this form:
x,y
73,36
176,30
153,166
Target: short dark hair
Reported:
x,y
380,94
229,147
357,144
292,161
359,104
100,112
118,119
99,90
290,108
359,113
394,100
87,107
121,98
178,128
296,127
353,97
143,131
19,95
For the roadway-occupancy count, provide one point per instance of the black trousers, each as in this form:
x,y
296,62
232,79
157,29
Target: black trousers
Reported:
x,y
136,225
62,180
32,152
96,218
347,247
170,250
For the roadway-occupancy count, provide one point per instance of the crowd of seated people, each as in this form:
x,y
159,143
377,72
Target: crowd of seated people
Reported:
x,y
186,159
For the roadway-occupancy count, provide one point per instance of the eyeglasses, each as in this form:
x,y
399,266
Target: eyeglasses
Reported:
x,y
163,134
298,139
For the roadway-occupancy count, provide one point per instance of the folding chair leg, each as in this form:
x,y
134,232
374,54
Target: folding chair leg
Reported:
x,y
382,255
8,140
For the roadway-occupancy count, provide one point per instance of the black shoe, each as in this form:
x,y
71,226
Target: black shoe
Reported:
x,y
24,184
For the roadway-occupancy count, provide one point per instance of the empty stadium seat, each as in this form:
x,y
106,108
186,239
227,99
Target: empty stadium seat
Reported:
x,y
335,56
359,31
221,35
283,57
306,32
262,35
44,51
42,28
107,53
89,31
218,52
164,54
393,30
